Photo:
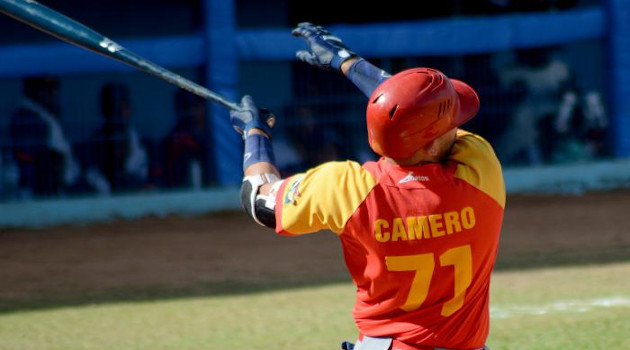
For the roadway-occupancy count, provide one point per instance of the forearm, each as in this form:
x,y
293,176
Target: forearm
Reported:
x,y
262,167
366,76
260,175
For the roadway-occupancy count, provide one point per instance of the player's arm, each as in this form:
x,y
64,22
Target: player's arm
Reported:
x,y
327,51
261,176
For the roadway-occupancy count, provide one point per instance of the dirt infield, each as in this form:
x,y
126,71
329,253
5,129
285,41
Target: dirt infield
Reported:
x,y
166,256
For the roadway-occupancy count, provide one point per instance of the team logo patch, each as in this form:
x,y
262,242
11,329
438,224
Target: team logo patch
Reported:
x,y
293,192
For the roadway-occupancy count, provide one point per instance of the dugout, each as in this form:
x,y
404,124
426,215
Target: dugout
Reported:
x,y
238,47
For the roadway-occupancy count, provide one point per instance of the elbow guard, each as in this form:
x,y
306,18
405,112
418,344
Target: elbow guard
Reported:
x,y
261,208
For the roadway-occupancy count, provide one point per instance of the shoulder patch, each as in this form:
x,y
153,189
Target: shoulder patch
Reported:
x,y
293,192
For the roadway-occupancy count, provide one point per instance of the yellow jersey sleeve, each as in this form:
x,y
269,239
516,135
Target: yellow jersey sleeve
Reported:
x,y
323,198
478,165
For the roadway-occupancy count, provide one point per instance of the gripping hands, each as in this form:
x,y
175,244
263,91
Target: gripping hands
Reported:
x,y
250,117
326,51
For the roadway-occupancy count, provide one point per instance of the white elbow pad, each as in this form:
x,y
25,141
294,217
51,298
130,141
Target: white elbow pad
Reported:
x,y
261,208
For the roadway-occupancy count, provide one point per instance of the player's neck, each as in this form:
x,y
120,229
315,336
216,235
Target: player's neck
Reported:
x,y
415,160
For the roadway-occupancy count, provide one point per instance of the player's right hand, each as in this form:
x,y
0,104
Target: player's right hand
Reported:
x,y
326,51
249,116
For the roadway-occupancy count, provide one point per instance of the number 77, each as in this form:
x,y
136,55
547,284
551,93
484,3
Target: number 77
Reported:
x,y
424,265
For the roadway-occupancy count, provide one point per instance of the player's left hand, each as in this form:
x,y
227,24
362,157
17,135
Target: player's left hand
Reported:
x,y
326,51
250,117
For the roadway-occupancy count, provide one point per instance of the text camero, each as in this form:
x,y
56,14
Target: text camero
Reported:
x,y
424,227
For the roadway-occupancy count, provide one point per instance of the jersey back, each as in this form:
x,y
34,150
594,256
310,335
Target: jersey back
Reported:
x,y
419,242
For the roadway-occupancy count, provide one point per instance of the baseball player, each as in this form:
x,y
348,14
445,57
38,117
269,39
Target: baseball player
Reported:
x,y
419,227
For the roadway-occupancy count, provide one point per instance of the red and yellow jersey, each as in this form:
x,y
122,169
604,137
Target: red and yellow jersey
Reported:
x,y
419,242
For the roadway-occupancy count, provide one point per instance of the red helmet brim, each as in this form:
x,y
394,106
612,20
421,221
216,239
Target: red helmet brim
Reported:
x,y
468,102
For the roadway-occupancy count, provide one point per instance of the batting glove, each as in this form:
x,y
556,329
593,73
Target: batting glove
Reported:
x,y
326,51
250,117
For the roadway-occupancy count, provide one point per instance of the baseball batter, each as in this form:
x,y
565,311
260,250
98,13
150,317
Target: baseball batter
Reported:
x,y
419,227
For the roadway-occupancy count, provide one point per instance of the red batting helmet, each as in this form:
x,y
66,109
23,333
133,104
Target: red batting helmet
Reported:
x,y
414,107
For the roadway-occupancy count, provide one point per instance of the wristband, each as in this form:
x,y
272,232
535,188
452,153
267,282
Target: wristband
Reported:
x,y
340,57
257,149
256,124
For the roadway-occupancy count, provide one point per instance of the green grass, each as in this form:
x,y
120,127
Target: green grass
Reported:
x,y
561,308
529,311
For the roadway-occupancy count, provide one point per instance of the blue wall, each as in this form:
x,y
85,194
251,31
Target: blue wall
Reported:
x,y
619,73
456,36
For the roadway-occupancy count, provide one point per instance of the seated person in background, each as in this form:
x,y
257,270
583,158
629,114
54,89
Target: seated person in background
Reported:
x,y
118,160
580,126
43,154
544,79
315,139
186,163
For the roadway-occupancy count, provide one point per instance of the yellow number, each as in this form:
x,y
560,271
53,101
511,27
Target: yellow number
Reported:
x,y
461,259
424,265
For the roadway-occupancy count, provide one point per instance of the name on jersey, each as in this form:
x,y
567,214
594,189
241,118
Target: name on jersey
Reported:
x,y
424,227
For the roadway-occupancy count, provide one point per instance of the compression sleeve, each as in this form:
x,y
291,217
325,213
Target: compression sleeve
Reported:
x,y
366,76
257,148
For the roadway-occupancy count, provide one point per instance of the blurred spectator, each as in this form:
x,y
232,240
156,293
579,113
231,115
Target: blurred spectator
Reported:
x,y
556,120
316,140
187,145
44,156
543,79
117,159
580,125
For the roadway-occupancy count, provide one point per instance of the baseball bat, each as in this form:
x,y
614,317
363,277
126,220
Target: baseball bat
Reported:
x,y
65,28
